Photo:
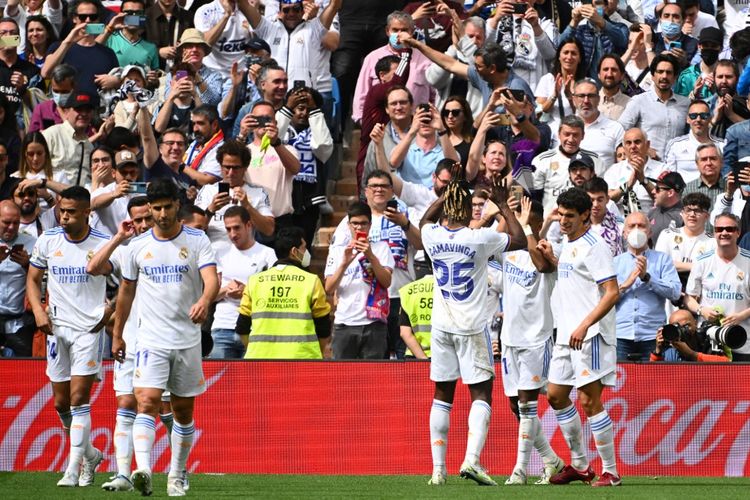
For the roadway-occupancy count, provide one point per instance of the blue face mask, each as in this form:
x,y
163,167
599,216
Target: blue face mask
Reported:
x,y
58,98
600,11
393,40
670,29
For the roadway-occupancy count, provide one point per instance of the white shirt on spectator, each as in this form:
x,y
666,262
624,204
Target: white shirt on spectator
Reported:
x,y
552,177
619,173
602,137
230,46
680,155
107,219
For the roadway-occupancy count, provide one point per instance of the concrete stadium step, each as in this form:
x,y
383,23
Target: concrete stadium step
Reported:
x,y
324,236
349,169
347,186
341,203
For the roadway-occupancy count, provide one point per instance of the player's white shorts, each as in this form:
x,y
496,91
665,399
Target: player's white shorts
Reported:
x,y
466,356
179,371
525,368
597,360
122,377
73,353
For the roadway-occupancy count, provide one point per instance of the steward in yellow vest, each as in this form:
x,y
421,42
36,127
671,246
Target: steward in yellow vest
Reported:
x,y
283,311
416,316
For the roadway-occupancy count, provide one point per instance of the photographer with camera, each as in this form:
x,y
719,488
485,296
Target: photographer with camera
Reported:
x,y
718,288
686,344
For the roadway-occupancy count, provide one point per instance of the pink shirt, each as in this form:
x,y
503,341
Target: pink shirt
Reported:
x,y
267,172
417,83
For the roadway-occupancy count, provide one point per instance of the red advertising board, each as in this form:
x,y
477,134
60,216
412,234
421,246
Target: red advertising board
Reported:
x,y
373,418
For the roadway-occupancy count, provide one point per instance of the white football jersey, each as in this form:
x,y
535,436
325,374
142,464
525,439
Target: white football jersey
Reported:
x,y
217,233
130,329
527,319
683,248
76,298
723,284
583,264
235,264
169,283
459,262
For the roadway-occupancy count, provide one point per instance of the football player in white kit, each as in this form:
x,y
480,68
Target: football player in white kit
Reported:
x,y
585,352
461,345
174,269
73,321
108,260
526,340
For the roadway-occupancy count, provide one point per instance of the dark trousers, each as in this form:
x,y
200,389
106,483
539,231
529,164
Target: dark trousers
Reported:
x,y
396,344
627,350
360,342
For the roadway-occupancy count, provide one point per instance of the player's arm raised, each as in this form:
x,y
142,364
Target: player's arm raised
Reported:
x,y
500,198
532,239
100,263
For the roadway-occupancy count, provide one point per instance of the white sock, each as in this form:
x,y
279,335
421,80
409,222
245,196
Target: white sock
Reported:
x,y
604,437
65,419
80,430
182,442
479,423
526,434
572,431
144,431
542,445
124,440
440,420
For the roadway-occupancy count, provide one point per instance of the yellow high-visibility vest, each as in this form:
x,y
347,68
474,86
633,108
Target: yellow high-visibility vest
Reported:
x,y
282,302
416,301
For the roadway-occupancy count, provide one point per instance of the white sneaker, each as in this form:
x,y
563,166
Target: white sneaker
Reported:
x,y
438,478
175,487
476,473
549,471
518,477
69,480
186,480
141,480
118,483
88,471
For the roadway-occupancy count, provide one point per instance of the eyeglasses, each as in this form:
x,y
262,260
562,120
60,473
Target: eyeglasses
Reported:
x,y
590,97
379,186
87,17
294,8
694,211
702,115
725,229
8,33
477,205
451,112
658,189
232,167
173,143
359,223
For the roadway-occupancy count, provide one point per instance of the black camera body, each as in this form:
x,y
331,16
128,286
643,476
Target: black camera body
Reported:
x,y
709,337
675,332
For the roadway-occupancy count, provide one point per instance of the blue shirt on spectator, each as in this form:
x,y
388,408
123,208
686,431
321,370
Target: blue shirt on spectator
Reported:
x,y
737,145
419,165
512,82
640,310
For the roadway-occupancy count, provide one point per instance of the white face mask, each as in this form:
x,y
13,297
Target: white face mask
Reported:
x,y
637,239
306,258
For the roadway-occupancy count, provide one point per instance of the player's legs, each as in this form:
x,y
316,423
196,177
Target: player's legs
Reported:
x,y
601,426
123,440
165,412
183,432
570,423
444,371
61,396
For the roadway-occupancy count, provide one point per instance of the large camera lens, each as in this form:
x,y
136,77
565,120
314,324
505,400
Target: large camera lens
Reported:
x,y
733,336
670,333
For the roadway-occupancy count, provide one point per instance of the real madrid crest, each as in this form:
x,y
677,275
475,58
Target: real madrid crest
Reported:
x,y
554,166
678,239
574,252
89,255
183,253
740,276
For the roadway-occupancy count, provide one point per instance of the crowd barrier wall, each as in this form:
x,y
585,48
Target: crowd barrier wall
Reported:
x,y
373,418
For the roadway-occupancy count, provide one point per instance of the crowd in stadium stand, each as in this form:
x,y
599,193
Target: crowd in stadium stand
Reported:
x,y
249,106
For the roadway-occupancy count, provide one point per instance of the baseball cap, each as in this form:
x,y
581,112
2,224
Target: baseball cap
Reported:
x,y
672,180
127,69
711,34
125,157
581,159
80,99
257,43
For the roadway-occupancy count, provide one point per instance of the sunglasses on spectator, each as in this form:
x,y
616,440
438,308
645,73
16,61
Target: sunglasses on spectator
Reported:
x,y
451,112
658,189
87,17
725,229
702,115
294,8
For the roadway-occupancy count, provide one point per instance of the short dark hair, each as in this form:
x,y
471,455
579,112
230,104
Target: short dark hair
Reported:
x,y
665,58
699,101
575,199
162,188
238,211
384,64
76,193
444,164
208,111
614,57
63,72
493,55
573,121
399,87
740,44
78,3
680,4
697,199
379,174
261,103
730,63
187,212
596,185
122,136
686,4
233,147
138,201
172,130
6,19
142,2
359,208
286,239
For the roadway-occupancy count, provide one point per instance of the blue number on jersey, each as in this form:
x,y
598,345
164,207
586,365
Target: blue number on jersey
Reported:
x,y
52,349
463,285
